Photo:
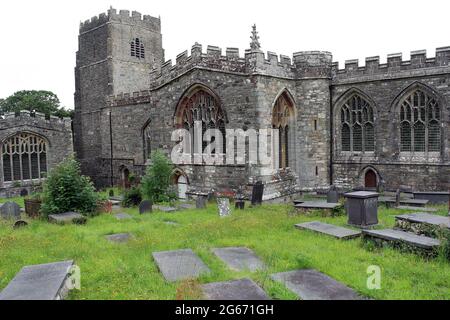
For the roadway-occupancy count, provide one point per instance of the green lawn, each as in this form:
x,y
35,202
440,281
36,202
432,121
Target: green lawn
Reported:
x,y
127,271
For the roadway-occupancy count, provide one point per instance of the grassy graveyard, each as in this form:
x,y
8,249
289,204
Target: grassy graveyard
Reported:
x,y
127,270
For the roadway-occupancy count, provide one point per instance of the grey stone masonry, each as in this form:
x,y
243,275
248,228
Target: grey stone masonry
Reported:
x,y
39,282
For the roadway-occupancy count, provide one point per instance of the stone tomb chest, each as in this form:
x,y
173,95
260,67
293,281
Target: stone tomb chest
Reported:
x,y
362,208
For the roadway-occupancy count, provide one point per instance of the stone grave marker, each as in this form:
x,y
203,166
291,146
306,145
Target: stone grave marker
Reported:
x,y
179,264
200,202
333,195
145,207
123,216
239,259
67,218
223,205
244,289
20,224
186,206
10,211
119,238
39,282
257,193
23,192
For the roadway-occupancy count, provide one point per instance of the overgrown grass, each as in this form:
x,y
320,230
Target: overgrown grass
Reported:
x,y
127,271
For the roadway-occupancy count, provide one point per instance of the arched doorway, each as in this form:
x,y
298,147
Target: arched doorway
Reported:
x,y
370,179
126,178
182,187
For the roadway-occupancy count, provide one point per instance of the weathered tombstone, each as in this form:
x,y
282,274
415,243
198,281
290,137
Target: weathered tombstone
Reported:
x,y
224,206
23,192
239,202
332,195
10,210
67,218
257,193
362,208
397,198
200,202
119,238
145,207
20,224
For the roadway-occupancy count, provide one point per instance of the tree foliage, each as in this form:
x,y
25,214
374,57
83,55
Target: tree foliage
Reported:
x,y
67,190
34,100
155,184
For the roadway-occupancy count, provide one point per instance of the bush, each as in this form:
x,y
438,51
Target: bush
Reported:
x,y
156,182
132,197
67,190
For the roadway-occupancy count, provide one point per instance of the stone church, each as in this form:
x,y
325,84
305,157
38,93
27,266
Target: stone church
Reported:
x,y
378,126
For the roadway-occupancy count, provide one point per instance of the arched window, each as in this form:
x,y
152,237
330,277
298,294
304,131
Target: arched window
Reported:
x,y
24,157
282,119
420,121
200,105
357,125
137,49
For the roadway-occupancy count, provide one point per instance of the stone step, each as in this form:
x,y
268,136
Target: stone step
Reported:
x,y
411,208
239,258
244,289
39,282
313,285
401,237
329,229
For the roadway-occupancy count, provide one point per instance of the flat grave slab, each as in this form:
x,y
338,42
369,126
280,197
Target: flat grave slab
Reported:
x,y
329,229
179,264
239,258
123,216
186,206
39,282
411,208
313,285
410,238
309,205
119,238
165,209
434,197
427,218
67,218
407,202
244,289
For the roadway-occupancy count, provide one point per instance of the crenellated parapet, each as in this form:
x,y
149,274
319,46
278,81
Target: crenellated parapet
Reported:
x,y
124,99
124,17
304,64
26,117
394,66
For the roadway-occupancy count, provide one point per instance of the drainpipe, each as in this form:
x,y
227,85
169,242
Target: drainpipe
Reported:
x,y
111,148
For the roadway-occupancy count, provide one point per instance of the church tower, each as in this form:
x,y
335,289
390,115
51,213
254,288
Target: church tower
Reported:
x,y
116,53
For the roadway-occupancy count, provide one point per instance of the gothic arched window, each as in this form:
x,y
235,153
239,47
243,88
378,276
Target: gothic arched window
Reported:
x,y
202,107
24,157
137,49
282,118
357,125
420,121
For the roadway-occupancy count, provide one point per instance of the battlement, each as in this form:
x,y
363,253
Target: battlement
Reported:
x,y
123,99
307,63
394,64
124,16
31,117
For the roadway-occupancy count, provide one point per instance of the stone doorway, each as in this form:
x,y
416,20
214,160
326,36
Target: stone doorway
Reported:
x,y
126,178
370,179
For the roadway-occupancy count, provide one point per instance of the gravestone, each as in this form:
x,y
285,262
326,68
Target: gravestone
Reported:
x,y
239,259
397,198
239,204
39,282
23,192
20,224
333,195
186,206
223,205
244,289
200,202
145,207
329,229
67,218
362,208
179,264
10,210
257,193
119,238
123,216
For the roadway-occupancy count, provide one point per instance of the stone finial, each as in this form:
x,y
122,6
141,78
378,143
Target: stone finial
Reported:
x,y
255,45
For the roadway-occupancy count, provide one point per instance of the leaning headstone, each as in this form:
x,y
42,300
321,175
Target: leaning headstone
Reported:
x,y
179,264
23,192
244,289
333,195
224,206
39,282
145,207
257,193
10,210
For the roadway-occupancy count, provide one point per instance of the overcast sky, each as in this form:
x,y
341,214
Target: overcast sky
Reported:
x,y
39,38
